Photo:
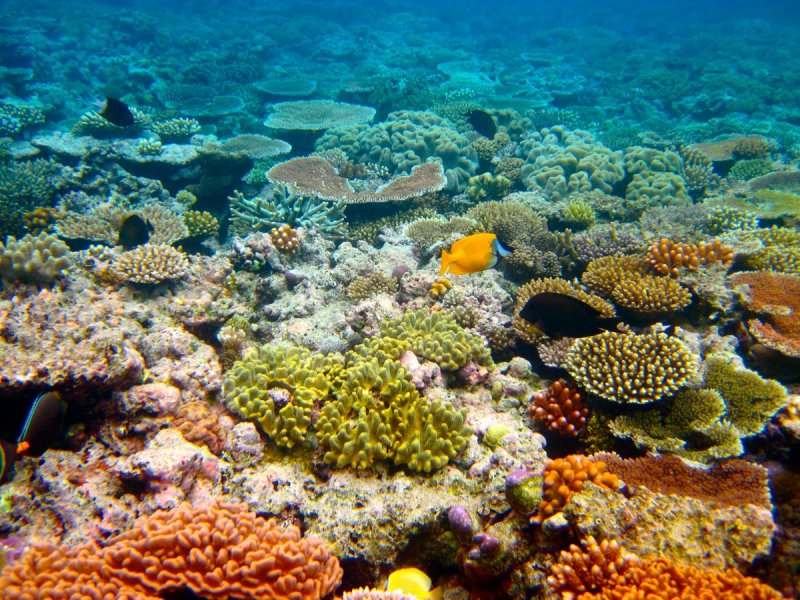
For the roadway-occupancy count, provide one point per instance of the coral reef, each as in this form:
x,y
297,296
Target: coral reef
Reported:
x,y
668,257
34,258
150,264
561,408
317,115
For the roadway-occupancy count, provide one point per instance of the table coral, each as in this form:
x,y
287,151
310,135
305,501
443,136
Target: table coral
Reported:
x,y
317,115
632,369
219,551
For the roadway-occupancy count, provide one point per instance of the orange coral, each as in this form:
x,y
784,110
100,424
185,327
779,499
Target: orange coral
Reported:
x,y
441,287
775,297
41,218
565,476
601,571
285,239
668,257
561,408
200,424
220,551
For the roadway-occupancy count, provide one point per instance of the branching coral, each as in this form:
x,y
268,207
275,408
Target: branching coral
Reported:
x,y
668,257
368,286
560,407
149,264
25,186
263,213
631,368
103,224
601,571
219,551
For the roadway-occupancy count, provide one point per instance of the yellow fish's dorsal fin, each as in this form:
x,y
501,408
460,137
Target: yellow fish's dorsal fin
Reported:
x,y
412,581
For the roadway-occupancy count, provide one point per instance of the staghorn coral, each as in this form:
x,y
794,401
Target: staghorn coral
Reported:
x,y
34,258
668,257
315,176
433,336
548,284
278,388
723,219
283,207
407,139
577,214
149,264
561,409
631,369
774,298
601,571
368,286
780,251
697,171
745,170
219,551
565,476
317,115
559,161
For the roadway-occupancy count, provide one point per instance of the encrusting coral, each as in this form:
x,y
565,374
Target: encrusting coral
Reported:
x,y
629,368
219,551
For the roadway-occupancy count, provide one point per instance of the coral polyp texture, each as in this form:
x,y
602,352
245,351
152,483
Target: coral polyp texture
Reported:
x,y
631,368
602,571
219,551
150,264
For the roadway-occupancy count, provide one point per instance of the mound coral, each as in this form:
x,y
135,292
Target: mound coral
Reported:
x,y
407,139
486,185
149,264
34,258
368,286
219,551
601,571
632,369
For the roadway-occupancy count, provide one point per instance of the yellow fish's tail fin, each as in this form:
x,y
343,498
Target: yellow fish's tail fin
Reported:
x,y
447,258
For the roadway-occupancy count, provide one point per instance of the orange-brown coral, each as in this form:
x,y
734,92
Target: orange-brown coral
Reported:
x,y
42,218
219,551
565,476
775,298
729,483
285,239
601,571
560,407
200,424
668,257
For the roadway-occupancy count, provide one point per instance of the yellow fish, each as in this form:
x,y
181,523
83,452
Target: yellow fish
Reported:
x,y
413,582
472,254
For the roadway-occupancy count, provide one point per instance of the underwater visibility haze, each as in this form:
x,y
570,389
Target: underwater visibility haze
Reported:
x,y
358,301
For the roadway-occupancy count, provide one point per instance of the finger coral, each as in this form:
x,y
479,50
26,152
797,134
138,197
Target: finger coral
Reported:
x,y
564,476
560,408
668,257
632,369
602,571
219,552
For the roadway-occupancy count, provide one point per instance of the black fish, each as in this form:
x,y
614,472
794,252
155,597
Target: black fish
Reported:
x,y
8,456
482,122
134,231
43,425
117,113
559,315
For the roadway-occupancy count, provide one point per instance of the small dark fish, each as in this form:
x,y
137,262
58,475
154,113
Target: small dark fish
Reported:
x,y
134,231
43,425
117,113
8,456
560,315
482,122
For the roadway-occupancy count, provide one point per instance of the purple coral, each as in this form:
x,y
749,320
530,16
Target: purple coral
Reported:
x,y
462,524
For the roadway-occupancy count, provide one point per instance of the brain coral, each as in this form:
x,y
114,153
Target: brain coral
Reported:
x,y
631,368
407,139
559,161
219,551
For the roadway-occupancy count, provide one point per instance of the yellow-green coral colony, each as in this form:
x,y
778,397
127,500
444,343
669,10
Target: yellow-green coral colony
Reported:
x,y
631,368
369,411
